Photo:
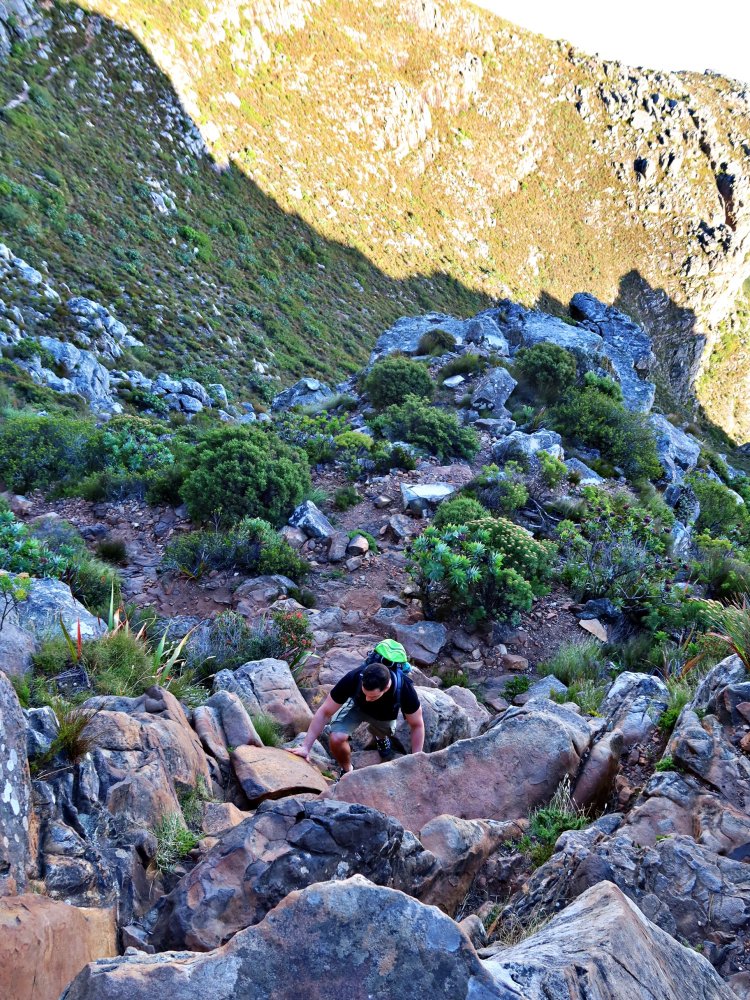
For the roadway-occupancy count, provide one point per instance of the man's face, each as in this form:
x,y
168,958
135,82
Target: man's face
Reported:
x,y
375,694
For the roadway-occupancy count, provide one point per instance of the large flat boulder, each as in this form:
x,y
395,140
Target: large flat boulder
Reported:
x,y
502,774
269,773
422,641
47,603
602,948
333,939
44,944
285,846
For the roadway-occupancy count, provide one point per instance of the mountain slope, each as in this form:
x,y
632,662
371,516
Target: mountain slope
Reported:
x,y
435,139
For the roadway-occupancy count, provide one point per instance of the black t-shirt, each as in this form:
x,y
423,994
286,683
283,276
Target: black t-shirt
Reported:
x,y
382,708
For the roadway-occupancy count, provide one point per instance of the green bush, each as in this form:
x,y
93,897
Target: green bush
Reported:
x,y
464,364
317,433
346,497
39,452
548,368
392,379
721,512
238,472
515,686
596,416
581,660
553,470
478,570
436,342
252,547
228,641
173,842
501,490
436,431
546,823
459,510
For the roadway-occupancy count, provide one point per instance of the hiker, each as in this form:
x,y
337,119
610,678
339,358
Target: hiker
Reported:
x,y
373,693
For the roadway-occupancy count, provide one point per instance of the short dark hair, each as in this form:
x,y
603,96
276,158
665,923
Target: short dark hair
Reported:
x,y
376,677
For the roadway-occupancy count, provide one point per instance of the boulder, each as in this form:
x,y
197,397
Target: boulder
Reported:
x,y
626,345
398,947
493,392
44,944
602,947
690,892
16,820
422,641
634,704
526,327
417,496
309,519
17,646
270,773
585,475
596,780
306,392
476,713
256,594
518,445
48,602
285,846
267,686
445,721
405,334
678,452
461,847
502,774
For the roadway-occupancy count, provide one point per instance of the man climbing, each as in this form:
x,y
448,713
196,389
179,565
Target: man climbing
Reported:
x,y
373,693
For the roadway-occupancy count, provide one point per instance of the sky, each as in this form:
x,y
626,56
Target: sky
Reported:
x,y
660,34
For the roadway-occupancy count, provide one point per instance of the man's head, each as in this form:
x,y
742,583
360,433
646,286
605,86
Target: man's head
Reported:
x,y
376,679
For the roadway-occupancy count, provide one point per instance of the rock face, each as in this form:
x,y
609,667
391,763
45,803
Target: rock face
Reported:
x,y
502,774
422,641
285,846
48,601
493,391
678,452
401,948
44,944
603,948
525,446
405,334
634,704
15,794
19,21
268,686
690,892
306,392
445,721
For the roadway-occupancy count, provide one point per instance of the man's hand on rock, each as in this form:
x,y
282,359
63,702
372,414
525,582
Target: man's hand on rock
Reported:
x,y
301,752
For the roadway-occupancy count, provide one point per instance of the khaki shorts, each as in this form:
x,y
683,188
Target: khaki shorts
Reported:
x,y
349,716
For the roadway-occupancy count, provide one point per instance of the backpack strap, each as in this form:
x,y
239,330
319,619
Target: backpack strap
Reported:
x,y
398,680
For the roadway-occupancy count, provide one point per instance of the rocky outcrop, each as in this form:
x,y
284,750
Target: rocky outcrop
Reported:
x,y
16,823
603,948
306,392
401,949
525,446
444,721
678,452
44,944
48,602
502,774
283,847
268,686
404,336
20,20
634,704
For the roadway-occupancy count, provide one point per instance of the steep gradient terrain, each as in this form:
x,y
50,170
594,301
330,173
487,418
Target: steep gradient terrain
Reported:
x,y
458,157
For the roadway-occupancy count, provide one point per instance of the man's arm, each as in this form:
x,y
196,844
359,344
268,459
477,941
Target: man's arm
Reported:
x,y
416,725
319,721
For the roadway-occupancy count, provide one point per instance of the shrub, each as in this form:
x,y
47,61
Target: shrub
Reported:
x,y
346,497
173,842
238,472
436,431
386,456
436,342
596,416
722,513
680,693
112,550
464,364
548,368
71,739
581,660
477,570
515,686
459,510
227,642
392,379
268,729
295,637
501,490
547,823
38,452
315,432
553,470
253,547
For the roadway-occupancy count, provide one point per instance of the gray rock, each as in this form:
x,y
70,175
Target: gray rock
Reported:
x,y
476,713
17,646
493,391
626,345
678,452
189,404
306,392
525,446
602,947
496,427
169,385
422,641
47,603
20,20
445,721
286,845
41,729
587,476
418,496
218,394
312,521
545,688
15,797
429,955
87,376
405,334
454,381
267,686
634,704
